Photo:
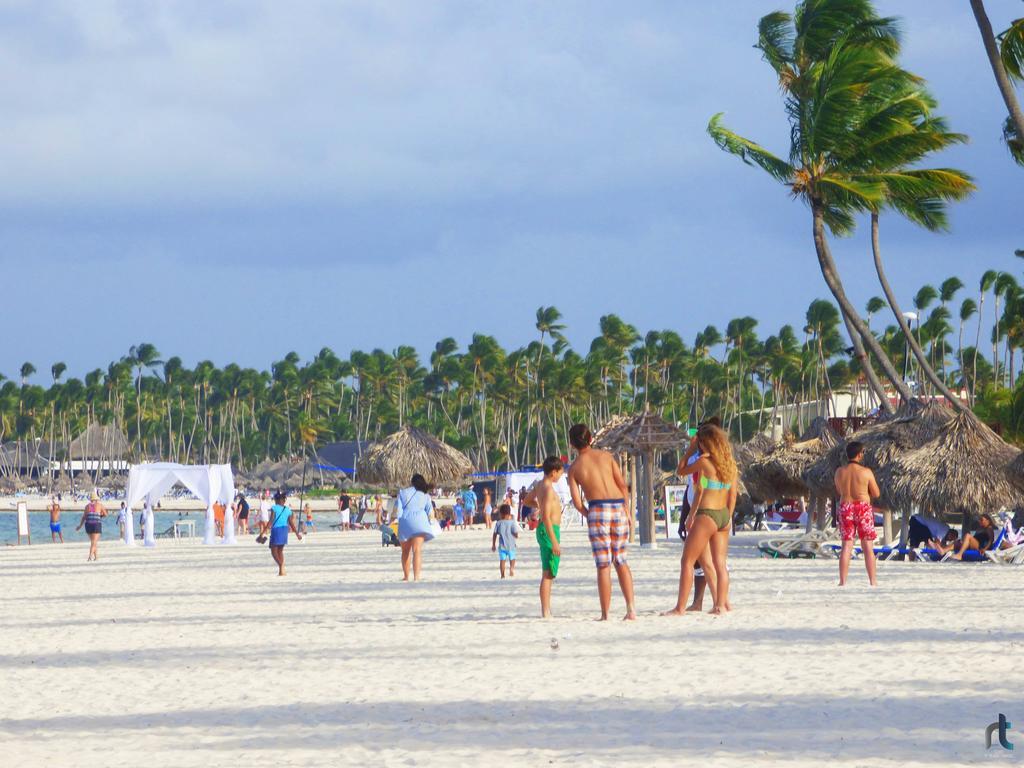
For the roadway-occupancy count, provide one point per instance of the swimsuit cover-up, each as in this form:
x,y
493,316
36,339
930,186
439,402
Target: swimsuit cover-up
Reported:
x,y
414,510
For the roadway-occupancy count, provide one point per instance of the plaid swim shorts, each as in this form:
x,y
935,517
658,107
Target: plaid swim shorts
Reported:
x,y
608,527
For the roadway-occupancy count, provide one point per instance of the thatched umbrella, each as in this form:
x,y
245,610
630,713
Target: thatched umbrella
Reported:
x,y
393,461
966,469
642,436
912,426
780,473
746,454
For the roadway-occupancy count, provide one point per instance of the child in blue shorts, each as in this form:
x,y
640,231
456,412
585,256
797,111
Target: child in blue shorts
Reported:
x,y
506,531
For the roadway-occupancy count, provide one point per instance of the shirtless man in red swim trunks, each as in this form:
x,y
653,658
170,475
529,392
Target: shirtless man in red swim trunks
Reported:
x,y
856,487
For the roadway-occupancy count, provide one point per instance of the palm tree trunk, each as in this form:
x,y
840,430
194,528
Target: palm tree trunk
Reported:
x,y
960,357
1002,78
831,275
977,344
915,345
866,366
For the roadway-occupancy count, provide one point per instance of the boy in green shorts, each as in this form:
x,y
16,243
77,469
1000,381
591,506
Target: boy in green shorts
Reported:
x,y
545,499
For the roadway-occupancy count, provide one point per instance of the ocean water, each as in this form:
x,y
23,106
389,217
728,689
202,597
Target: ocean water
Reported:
x,y
39,524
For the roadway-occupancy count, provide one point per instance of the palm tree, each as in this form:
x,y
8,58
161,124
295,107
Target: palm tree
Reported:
x,y
988,279
833,62
968,308
1006,63
875,305
27,370
1003,284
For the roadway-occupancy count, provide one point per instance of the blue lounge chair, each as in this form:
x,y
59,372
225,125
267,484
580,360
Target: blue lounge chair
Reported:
x,y
927,554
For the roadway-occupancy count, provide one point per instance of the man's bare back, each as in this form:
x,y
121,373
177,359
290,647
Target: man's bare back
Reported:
x,y
597,473
549,505
856,483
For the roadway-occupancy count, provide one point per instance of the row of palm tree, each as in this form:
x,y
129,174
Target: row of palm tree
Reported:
x,y
507,408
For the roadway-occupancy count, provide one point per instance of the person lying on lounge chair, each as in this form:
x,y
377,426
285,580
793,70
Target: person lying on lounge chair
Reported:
x,y
948,543
981,539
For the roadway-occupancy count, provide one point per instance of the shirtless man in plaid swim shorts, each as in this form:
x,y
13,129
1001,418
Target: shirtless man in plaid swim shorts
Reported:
x,y
595,474
856,486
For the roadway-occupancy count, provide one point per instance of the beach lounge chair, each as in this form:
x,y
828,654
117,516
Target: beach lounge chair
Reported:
x,y
1010,556
809,545
882,552
927,554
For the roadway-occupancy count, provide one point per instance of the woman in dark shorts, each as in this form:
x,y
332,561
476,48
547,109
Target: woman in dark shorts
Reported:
x,y
92,520
282,520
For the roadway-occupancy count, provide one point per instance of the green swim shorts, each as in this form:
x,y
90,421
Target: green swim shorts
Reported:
x,y
548,560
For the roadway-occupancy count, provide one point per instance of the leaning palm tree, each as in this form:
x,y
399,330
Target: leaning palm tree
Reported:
x,y
908,132
1007,63
833,59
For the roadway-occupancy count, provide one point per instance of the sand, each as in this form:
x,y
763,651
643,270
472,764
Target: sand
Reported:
x,y
191,656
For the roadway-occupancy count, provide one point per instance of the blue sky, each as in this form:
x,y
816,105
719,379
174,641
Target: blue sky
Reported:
x,y
235,180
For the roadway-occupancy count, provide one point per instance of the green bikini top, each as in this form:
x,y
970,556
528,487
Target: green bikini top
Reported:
x,y
714,485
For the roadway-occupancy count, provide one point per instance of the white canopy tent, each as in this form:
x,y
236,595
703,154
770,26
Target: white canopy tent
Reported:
x,y
209,482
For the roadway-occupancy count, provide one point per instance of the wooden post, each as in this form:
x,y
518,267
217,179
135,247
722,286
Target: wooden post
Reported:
x,y
634,487
809,513
904,528
886,526
647,513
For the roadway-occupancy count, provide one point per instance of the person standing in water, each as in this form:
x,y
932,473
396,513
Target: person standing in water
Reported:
x,y
710,520
282,520
54,508
595,475
92,519
549,531
856,487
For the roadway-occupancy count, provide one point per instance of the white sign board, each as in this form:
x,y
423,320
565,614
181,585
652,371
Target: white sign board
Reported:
x,y
23,529
675,495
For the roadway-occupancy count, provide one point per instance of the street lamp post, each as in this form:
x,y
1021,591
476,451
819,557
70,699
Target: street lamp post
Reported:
x,y
911,317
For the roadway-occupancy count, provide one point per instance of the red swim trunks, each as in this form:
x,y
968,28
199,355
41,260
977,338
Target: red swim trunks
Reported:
x,y
857,521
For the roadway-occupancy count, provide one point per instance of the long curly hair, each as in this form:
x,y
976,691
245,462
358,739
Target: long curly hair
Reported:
x,y
714,443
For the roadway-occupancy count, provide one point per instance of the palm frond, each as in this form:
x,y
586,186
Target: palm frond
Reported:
x,y
820,24
1011,49
775,41
1014,141
748,151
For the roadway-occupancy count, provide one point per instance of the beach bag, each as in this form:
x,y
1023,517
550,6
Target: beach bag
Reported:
x,y
435,527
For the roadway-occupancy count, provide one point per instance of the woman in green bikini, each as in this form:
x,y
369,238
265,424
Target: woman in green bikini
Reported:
x,y
710,525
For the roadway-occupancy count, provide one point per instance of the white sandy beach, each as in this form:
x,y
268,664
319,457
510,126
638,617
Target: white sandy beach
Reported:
x,y
191,656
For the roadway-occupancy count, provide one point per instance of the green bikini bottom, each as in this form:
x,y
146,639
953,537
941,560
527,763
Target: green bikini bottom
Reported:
x,y
720,516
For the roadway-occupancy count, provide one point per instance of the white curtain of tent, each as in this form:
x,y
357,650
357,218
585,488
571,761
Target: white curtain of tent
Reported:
x,y
210,483
227,491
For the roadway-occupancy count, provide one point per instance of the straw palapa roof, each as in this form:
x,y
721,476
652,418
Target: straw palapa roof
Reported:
x,y
646,431
779,473
392,462
99,441
913,425
966,468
